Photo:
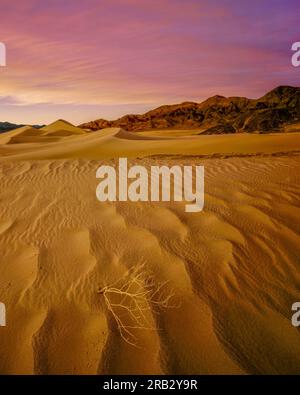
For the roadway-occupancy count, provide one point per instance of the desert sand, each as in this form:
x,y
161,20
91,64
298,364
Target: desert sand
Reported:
x,y
231,271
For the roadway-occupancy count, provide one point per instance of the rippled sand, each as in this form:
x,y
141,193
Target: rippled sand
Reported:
x,y
234,268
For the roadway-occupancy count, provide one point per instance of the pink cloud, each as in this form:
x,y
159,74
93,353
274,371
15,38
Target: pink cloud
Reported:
x,y
129,52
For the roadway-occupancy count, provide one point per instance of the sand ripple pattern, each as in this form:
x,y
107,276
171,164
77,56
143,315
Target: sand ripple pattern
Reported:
x,y
234,267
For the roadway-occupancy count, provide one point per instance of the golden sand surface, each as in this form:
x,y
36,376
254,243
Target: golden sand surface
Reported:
x,y
233,269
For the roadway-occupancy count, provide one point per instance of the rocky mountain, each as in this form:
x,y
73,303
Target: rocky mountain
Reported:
x,y
278,109
7,126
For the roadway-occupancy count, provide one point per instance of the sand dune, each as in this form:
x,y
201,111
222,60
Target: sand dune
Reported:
x,y
53,143
61,128
233,268
51,133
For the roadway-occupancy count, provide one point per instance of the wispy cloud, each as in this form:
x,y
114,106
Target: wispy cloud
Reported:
x,y
102,56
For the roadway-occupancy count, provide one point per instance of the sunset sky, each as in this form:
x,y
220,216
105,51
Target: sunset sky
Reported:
x,y
83,60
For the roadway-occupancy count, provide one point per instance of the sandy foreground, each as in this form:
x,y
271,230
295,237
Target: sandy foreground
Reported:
x,y
232,271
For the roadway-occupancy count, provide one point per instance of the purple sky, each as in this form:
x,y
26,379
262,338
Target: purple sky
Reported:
x,y
82,60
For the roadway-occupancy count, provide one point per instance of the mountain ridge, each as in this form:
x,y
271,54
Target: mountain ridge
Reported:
x,y
272,112
7,126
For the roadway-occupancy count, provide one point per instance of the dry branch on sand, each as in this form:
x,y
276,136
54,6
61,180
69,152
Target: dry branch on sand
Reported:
x,y
132,299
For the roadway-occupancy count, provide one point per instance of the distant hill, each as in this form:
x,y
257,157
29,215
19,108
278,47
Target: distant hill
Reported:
x,y
278,110
7,126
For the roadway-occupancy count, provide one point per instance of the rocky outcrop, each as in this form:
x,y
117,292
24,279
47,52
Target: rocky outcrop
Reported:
x,y
217,115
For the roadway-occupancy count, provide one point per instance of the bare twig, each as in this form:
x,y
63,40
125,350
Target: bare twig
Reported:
x,y
131,300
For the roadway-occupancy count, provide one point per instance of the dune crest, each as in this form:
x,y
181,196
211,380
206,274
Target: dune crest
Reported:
x,y
62,140
61,128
